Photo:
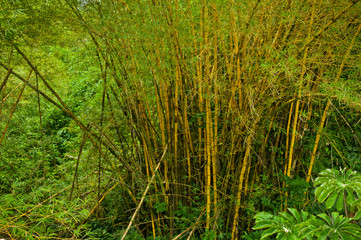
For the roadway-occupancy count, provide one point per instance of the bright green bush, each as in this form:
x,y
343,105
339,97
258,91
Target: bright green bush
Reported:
x,y
342,187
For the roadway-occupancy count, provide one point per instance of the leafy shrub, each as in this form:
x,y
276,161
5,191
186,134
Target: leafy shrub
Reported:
x,y
340,187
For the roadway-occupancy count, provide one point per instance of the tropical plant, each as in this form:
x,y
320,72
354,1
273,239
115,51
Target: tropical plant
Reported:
x,y
335,227
340,187
287,225
334,185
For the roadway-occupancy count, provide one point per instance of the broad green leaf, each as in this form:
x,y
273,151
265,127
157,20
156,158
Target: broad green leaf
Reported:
x,y
324,218
349,173
356,202
282,236
295,214
294,237
285,217
331,199
304,215
270,232
263,216
335,237
357,215
356,186
307,229
335,217
264,224
325,193
339,203
350,196
323,237
318,190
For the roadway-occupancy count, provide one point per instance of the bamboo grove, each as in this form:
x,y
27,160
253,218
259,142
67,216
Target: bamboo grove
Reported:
x,y
200,101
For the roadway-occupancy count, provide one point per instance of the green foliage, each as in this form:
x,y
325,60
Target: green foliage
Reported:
x,y
296,226
287,225
160,207
296,187
335,226
210,235
338,187
114,64
332,184
29,216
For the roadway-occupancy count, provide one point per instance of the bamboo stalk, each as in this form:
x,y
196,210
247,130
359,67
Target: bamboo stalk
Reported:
x,y
167,120
333,20
75,177
63,107
41,128
208,117
208,164
299,91
288,134
3,83
293,137
216,111
244,165
14,107
320,128
144,194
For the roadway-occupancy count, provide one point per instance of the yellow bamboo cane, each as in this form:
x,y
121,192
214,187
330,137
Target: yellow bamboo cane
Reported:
x,y
241,179
320,128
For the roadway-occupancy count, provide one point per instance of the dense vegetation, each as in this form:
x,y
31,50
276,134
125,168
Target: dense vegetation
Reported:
x,y
177,119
